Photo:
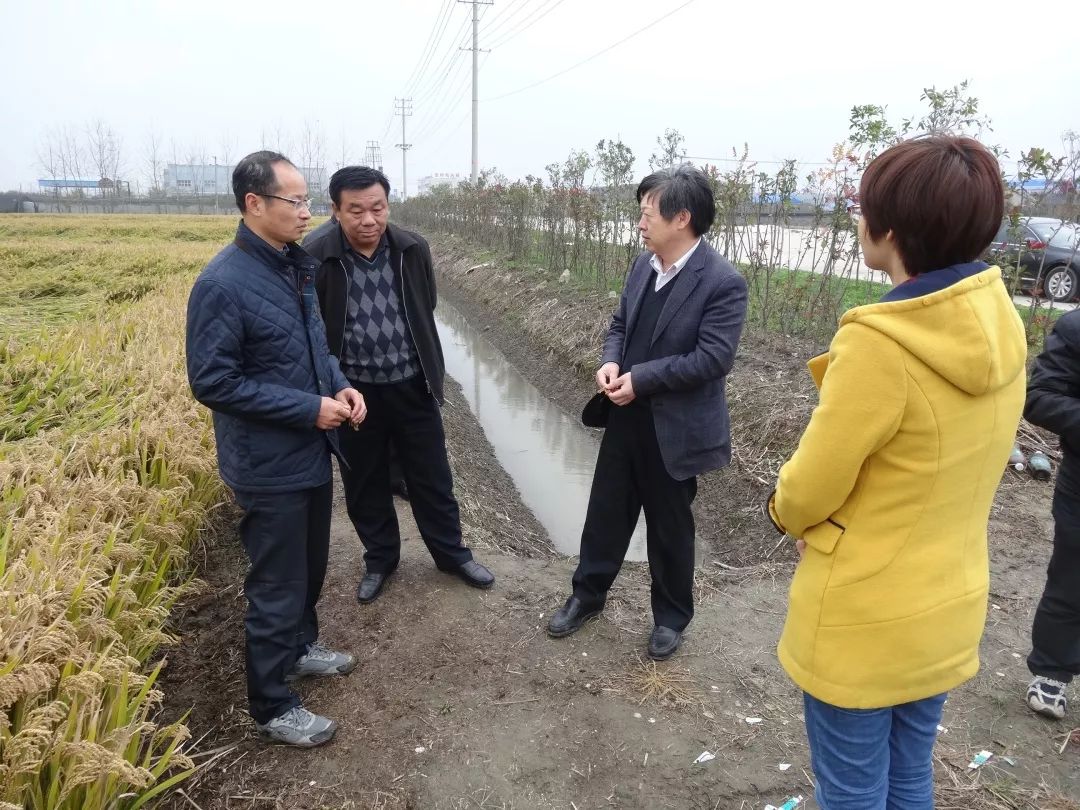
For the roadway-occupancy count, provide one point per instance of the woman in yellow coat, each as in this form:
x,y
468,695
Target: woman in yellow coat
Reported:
x,y
889,492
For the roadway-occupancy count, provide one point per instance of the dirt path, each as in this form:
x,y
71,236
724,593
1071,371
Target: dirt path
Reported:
x,y
507,718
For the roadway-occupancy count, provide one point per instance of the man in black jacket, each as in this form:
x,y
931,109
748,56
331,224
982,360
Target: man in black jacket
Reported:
x,y
376,287
1053,402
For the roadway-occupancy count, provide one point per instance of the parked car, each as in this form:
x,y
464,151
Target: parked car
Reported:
x,y
1046,252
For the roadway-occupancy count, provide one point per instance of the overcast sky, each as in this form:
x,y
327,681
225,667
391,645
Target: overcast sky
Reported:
x,y
224,77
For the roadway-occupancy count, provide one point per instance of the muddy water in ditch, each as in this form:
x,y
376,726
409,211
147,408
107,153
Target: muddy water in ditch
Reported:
x,y
549,455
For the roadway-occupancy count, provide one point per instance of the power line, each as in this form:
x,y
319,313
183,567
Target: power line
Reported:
x,y
432,131
417,75
448,63
430,45
457,125
450,90
501,20
437,93
504,15
594,56
526,24
452,131
444,108
389,123
453,49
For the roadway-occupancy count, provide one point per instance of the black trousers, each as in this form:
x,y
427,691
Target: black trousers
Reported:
x,y
1055,634
407,415
287,539
397,478
630,476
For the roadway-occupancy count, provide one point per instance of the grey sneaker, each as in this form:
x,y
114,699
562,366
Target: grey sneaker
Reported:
x,y
321,661
1047,697
298,727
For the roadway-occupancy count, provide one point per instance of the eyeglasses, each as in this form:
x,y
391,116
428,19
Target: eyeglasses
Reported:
x,y
297,204
855,212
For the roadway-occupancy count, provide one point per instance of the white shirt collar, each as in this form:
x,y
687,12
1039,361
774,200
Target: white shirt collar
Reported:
x,y
663,278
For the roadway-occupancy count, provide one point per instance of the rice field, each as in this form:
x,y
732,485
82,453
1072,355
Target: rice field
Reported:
x,y
107,475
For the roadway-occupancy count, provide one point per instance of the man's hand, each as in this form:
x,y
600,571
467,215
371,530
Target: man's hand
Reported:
x,y
331,414
621,391
357,407
605,377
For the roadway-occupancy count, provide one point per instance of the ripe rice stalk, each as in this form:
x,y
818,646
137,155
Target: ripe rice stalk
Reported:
x,y
107,475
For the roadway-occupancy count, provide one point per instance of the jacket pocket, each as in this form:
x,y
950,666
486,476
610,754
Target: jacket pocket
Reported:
x,y
824,536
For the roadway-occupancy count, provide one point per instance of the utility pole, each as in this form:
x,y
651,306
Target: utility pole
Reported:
x,y
403,107
373,155
476,83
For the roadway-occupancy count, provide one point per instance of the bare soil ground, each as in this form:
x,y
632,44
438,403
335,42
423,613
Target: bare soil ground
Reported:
x,y
461,700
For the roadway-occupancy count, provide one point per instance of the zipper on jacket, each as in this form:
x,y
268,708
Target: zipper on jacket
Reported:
x,y
345,304
405,307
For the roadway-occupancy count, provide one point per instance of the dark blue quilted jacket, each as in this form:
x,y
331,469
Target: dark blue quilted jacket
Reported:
x,y
257,357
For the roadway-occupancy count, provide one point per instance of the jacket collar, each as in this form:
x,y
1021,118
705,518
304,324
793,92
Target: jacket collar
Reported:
x,y
933,282
681,286
292,256
333,246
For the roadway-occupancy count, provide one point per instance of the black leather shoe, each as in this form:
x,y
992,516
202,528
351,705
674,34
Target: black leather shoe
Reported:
x,y
371,586
400,489
474,574
663,643
570,617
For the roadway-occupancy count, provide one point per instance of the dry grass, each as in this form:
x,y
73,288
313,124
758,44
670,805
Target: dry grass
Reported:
x,y
663,684
958,788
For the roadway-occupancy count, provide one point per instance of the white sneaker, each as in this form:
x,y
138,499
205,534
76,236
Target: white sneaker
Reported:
x,y
1047,697
298,727
319,660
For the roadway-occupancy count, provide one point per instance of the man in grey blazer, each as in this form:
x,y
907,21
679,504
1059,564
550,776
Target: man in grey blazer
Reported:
x,y
668,351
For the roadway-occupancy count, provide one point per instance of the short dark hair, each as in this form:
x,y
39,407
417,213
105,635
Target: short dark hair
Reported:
x,y
254,174
356,178
682,188
941,196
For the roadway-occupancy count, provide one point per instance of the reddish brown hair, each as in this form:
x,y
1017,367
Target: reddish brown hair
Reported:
x,y
941,196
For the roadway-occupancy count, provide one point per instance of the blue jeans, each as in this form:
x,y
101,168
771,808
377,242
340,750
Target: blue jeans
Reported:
x,y
873,759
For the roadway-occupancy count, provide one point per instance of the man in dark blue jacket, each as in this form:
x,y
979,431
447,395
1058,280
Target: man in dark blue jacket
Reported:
x,y
1053,402
257,357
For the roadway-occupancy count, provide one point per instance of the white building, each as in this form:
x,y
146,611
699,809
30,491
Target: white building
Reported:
x,y
433,181
184,179
197,180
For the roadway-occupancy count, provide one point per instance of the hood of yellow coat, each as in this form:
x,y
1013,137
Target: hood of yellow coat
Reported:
x,y
978,351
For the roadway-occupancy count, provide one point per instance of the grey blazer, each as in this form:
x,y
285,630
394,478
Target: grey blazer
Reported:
x,y
694,342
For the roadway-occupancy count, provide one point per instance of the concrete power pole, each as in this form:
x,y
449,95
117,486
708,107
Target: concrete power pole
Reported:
x,y
476,83
403,107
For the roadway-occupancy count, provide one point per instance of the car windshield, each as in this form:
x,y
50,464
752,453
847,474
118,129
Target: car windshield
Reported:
x,y
1058,234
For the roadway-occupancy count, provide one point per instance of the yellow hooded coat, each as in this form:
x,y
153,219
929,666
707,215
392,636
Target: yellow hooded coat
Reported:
x,y
891,488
